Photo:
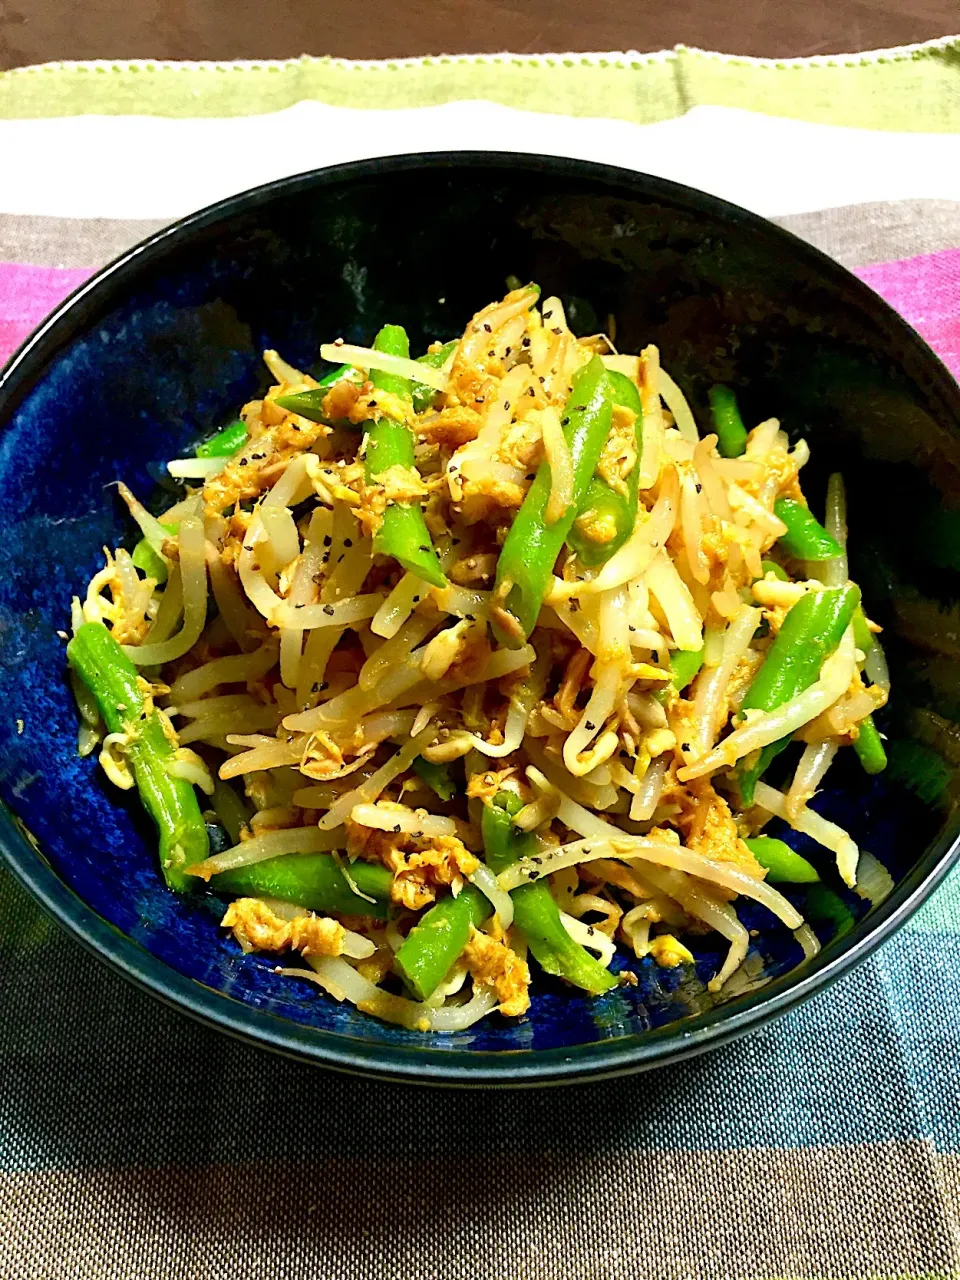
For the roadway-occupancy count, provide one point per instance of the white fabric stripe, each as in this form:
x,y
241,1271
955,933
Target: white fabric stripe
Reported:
x,y
148,167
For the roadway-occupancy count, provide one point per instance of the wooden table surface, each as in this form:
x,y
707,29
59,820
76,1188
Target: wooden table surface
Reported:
x,y
46,30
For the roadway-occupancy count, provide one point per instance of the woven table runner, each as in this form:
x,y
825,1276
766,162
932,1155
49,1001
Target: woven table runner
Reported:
x,y
136,1144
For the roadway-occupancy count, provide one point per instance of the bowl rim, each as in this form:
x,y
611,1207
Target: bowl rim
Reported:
x,y
603,1059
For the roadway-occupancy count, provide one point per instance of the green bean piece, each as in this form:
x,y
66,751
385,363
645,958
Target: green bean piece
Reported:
x,y
684,663
806,538
231,811
603,506
225,443
309,404
727,423
403,531
536,914
824,907
778,571
424,396
315,881
869,747
172,803
531,548
862,635
435,942
150,562
810,632
782,864
436,776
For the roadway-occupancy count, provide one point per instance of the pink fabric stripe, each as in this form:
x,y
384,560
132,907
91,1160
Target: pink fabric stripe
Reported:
x,y
27,294
926,292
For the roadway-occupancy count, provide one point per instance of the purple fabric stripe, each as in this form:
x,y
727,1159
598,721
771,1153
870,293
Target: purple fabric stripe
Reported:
x,y
926,291
27,294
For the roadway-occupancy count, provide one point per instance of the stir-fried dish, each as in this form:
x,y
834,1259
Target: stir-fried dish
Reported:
x,y
452,673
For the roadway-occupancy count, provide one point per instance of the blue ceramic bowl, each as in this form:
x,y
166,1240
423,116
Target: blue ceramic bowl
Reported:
x,y
160,349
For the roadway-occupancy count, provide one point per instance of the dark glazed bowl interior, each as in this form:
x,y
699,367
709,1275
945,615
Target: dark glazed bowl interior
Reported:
x,y
162,348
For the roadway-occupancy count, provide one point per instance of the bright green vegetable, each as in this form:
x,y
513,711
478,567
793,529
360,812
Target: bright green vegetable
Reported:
x,y
536,913
403,532
824,907
309,404
436,776
225,443
731,433
149,562
806,538
869,747
312,880
172,803
605,506
778,571
433,944
532,546
782,864
810,632
684,663
862,635
424,396
230,809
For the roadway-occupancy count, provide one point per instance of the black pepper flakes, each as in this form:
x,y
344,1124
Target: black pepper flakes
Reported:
x,y
329,610
244,461
590,725
487,328
684,746
348,542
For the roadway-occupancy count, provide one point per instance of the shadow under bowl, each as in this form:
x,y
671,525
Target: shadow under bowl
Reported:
x,y
162,347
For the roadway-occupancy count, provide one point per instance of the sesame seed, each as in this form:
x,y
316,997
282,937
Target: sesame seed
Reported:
x,y
506,404
542,378
487,328
564,422
530,391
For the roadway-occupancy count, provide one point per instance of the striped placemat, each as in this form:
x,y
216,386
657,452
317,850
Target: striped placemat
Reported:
x,y
136,1144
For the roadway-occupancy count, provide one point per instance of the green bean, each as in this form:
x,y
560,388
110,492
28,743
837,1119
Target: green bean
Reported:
x,y
862,635
433,945
172,803
810,632
605,507
309,404
403,532
731,433
824,907
806,538
782,864
232,812
436,776
225,443
536,914
531,548
778,571
315,881
424,396
684,663
869,747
